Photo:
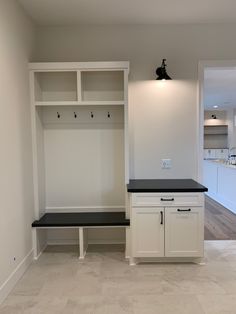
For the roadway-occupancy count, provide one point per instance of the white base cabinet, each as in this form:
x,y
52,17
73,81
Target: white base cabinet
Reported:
x,y
220,179
171,230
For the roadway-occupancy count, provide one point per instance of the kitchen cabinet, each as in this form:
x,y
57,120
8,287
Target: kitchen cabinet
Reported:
x,y
171,231
166,224
220,179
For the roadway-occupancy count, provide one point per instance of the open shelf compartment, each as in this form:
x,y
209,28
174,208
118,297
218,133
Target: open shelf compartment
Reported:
x,y
215,129
102,86
55,86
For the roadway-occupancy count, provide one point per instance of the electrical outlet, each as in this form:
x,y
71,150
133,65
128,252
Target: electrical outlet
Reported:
x,y
166,163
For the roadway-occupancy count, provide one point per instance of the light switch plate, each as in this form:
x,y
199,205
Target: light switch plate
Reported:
x,y
166,163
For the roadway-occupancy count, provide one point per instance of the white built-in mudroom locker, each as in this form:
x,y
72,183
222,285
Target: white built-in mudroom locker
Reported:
x,y
80,144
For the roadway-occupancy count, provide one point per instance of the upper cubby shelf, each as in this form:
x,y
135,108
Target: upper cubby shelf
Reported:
x,y
55,86
102,85
86,83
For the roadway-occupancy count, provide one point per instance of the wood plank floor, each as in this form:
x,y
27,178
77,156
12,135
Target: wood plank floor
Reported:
x,y
220,223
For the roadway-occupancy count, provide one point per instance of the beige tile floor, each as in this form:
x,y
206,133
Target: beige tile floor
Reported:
x,y
104,283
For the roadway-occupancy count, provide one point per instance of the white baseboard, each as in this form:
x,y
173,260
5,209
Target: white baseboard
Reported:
x,y
9,284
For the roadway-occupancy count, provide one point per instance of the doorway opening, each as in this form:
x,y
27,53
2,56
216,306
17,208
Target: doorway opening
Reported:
x,y
217,147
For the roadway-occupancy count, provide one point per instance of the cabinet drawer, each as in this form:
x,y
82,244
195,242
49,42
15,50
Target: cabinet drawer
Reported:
x,y
167,199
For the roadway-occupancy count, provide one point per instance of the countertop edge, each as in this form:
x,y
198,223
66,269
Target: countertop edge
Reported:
x,y
165,186
167,190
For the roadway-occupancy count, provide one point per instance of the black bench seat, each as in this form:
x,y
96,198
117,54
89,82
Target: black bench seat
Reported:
x,y
91,219
81,221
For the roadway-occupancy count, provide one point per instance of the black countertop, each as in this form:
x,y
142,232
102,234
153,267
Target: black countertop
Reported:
x,y
82,219
164,185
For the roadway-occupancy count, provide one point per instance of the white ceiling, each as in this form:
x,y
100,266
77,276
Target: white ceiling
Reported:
x,y
72,12
220,88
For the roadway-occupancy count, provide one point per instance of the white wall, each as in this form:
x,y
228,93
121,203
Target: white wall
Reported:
x,y
163,116
16,193
221,115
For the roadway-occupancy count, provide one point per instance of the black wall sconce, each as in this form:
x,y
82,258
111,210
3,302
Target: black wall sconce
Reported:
x,y
161,72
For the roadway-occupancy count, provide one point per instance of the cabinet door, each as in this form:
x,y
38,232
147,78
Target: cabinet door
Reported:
x,y
184,231
147,225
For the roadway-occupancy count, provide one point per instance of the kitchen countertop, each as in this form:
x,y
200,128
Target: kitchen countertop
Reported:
x,y
221,163
164,185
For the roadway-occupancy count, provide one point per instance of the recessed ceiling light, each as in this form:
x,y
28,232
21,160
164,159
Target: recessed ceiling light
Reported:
x,y
215,106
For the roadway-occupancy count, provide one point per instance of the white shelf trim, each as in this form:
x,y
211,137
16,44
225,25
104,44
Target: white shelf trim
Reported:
x,y
80,103
68,66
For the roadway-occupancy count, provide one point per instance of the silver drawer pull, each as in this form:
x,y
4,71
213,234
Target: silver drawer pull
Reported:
x,y
167,199
184,210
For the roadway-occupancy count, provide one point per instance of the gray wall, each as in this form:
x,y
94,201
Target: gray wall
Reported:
x,y
16,212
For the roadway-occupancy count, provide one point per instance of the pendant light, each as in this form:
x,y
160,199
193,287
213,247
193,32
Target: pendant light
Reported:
x,y
161,72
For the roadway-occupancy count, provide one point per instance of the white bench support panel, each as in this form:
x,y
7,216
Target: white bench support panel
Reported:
x,y
83,242
39,241
34,234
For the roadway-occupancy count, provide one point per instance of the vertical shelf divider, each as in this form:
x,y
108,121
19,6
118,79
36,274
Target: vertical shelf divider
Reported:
x,y
79,87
